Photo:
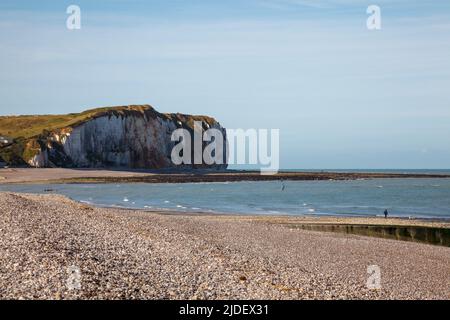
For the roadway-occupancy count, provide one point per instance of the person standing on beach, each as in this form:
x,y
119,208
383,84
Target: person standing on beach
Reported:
x,y
386,214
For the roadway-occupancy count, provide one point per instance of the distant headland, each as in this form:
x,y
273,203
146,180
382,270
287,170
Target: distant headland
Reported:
x,y
135,136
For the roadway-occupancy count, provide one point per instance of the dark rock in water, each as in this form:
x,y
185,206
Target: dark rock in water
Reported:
x,y
125,137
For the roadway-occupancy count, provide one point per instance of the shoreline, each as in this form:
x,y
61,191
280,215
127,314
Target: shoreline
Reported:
x,y
403,220
378,219
309,218
99,176
424,230
129,254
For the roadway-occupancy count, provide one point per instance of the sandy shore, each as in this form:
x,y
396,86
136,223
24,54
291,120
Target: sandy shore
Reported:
x,y
27,175
133,254
63,175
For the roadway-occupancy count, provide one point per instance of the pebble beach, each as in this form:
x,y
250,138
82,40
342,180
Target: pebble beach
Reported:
x,y
47,240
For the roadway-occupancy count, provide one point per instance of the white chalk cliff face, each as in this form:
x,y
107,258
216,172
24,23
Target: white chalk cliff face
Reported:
x,y
133,139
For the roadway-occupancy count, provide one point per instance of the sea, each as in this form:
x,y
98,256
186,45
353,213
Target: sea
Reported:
x,y
402,197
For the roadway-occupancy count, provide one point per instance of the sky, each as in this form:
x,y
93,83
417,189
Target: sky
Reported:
x,y
342,96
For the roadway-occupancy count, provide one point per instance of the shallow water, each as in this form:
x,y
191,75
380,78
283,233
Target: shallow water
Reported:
x,y
421,198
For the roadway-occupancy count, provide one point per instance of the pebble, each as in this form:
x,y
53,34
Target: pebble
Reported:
x,y
126,254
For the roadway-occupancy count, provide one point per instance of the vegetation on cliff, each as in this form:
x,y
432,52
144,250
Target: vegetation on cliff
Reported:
x,y
28,134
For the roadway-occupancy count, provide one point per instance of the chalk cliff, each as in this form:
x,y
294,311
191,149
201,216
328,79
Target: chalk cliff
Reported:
x,y
128,136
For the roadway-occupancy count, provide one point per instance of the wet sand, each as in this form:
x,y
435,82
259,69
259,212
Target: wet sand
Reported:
x,y
127,254
35,175
63,175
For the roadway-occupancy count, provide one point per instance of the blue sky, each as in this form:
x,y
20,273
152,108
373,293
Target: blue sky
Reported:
x,y
341,95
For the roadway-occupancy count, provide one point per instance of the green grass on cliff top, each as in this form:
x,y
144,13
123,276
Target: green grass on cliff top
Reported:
x,y
28,126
